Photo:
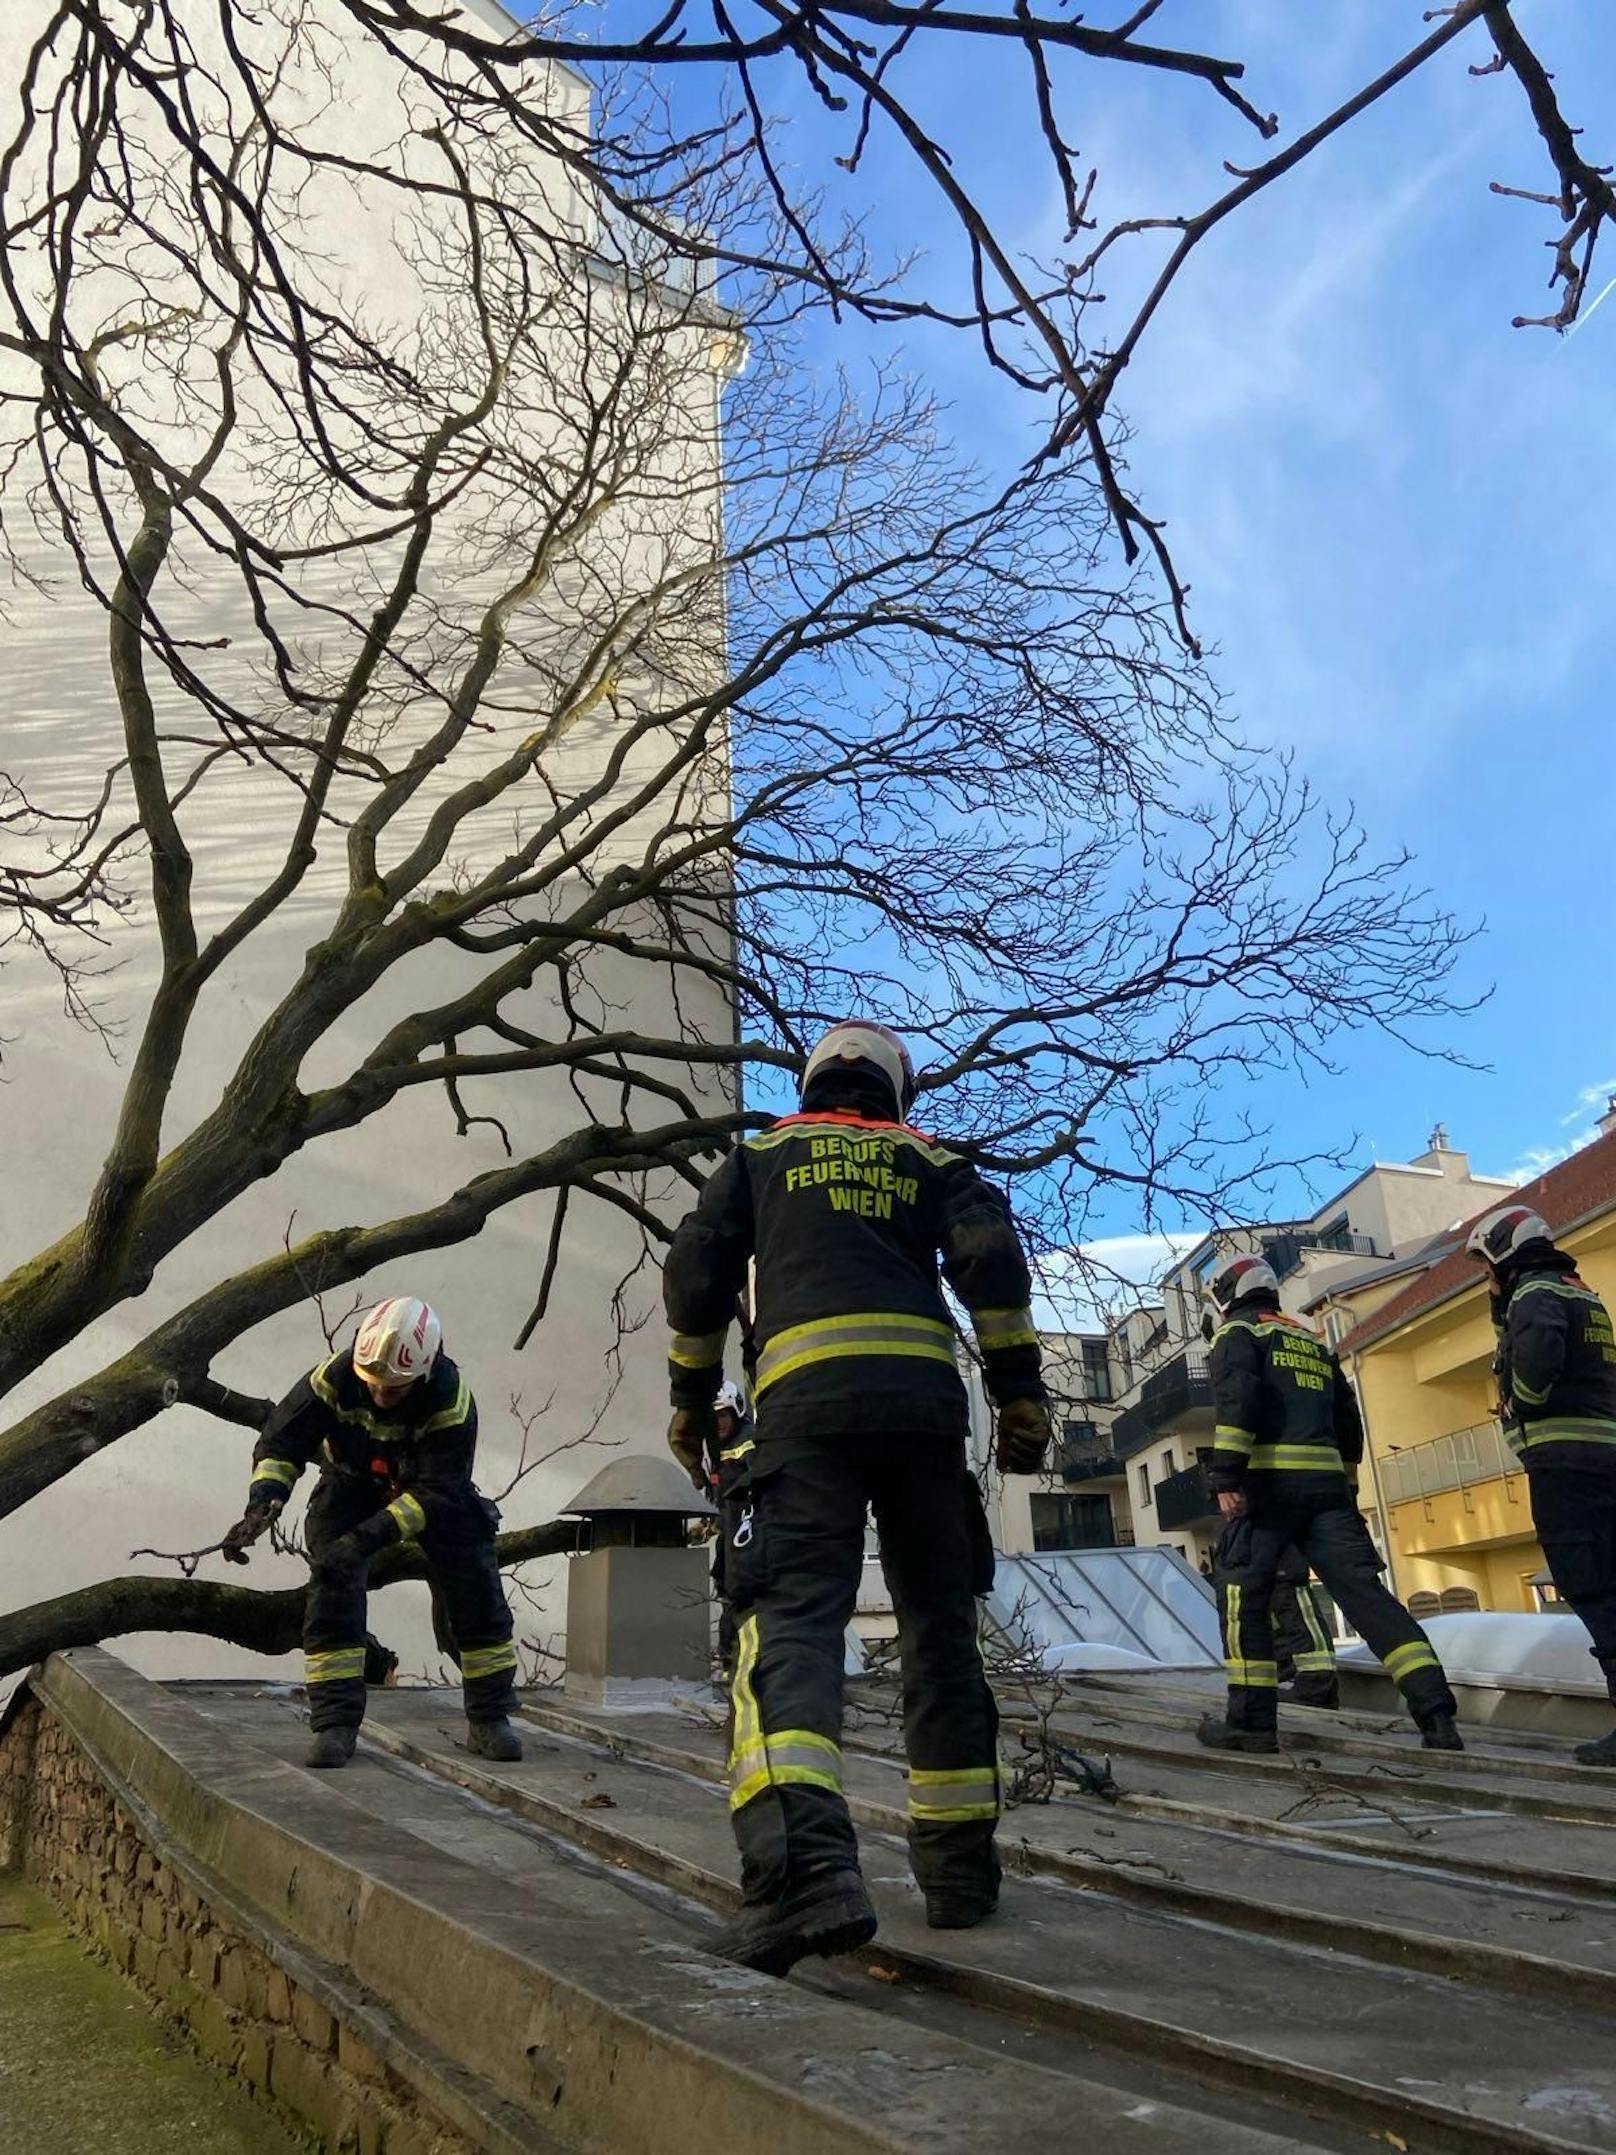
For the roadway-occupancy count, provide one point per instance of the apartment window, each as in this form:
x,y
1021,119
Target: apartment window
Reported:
x,y
1068,1522
1167,1466
1077,1432
1096,1370
1143,1472
1335,1326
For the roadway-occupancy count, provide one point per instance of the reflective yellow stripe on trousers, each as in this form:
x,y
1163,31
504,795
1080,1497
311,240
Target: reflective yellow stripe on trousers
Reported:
x,y
478,1661
1249,1675
1322,1656
958,1793
791,1757
1405,1659
338,1664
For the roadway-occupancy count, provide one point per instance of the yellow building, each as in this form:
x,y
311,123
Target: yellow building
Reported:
x,y
1454,1504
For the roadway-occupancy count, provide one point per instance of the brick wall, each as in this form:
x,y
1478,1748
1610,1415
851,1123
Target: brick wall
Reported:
x,y
63,1825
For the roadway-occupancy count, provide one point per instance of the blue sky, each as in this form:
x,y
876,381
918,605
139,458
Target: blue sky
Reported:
x,y
1394,509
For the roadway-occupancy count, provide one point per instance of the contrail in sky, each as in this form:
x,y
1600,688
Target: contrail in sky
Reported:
x,y
1594,309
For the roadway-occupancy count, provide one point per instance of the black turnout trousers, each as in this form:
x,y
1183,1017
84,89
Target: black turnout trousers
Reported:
x,y
1304,1656
1321,1517
459,1552
1574,1510
794,1528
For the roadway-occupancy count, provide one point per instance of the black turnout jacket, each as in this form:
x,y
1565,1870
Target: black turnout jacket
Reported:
x,y
853,1223
416,1456
1281,1403
1557,1368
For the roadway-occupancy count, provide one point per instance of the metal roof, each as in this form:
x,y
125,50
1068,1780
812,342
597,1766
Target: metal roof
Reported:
x,y
640,1483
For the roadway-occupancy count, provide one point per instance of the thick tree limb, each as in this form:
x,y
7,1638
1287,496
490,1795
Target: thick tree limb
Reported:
x,y
263,1622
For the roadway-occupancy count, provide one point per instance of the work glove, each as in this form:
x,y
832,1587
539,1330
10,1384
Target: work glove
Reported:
x,y
1023,1437
255,1522
689,1433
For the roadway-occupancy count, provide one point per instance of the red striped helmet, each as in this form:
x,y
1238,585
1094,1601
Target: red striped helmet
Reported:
x,y
1243,1276
398,1341
1496,1236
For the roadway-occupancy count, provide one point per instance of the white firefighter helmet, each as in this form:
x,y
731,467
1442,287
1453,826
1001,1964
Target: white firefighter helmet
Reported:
x,y
859,1041
398,1341
731,1400
1243,1276
1496,1236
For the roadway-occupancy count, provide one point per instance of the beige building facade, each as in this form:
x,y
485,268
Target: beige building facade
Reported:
x,y
1149,1434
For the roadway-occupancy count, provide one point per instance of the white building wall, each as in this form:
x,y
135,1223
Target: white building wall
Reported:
x,y
177,1483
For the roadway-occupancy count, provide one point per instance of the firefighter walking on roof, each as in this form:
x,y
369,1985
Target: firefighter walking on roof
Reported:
x,y
853,1220
1286,1450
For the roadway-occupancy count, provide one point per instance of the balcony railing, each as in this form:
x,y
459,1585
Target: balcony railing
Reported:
x,y
1477,1454
1166,1393
1086,1459
1285,1252
1183,1499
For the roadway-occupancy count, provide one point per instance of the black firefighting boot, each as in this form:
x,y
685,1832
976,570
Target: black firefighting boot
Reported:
x,y
1219,1735
1441,1733
961,1902
1603,1751
332,1746
495,1740
826,1914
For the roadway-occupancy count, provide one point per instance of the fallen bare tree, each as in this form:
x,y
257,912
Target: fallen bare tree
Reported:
x,y
620,693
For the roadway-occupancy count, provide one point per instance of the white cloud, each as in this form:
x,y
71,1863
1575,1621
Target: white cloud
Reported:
x,y
1582,1122
1075,1290
1591,1096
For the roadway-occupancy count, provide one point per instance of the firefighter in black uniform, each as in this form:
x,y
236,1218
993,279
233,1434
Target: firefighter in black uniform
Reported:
x,y
1304,1656
1556,1370
1285,1454
393,1427
845,1211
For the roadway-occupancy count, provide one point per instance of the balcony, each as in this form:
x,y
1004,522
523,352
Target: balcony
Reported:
x,y
1076,1522
1166,1393
1286,1251
1477,1454
1087,1458
1183,1499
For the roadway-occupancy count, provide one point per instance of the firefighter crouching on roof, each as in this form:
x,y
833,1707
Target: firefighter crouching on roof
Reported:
x,y
1556,1371
846,1211
393,1427
1285,1455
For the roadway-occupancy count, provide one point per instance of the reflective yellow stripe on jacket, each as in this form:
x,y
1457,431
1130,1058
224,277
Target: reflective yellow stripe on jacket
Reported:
x,y
697,1350
1297,1459
878,1332
997,1328
388,1429
1564,1429
407,1515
